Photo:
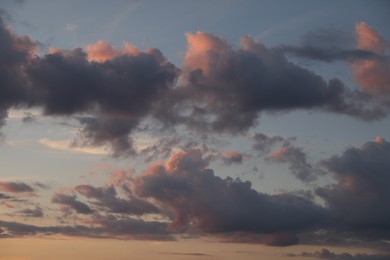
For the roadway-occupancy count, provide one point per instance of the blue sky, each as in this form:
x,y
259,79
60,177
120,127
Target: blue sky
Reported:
x,y
140,113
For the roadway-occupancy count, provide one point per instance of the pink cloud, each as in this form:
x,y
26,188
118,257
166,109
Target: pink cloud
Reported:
x,y
203,50
16,187
102,51
231,157
371,75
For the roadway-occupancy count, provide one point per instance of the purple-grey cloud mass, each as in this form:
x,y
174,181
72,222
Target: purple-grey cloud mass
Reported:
x,y
219,88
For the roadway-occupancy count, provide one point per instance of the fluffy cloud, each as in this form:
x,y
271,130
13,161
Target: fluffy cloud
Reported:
x,y
202,201
102,51
228,87
372,76
220,88
297,161
15,53
358,199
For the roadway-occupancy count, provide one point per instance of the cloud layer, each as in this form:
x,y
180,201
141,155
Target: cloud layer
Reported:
x,y
112,91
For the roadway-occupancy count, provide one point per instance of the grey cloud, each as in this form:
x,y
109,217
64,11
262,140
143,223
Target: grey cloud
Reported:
x,y
29,118
326,254
107,198
221,89
14,54
263,143
331,54
234,157
16,187
98,131
118,93
328,45
230,87
357,201
72,202
295,157
111,227
37,212
4,197
213,204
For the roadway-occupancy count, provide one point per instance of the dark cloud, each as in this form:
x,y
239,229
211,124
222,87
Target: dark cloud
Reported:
x,y
37,212
329,38
263,143
326,254
212,204
3,196
358,201
109,227
330,44
107,198
16,187
331,54
15,52
230,87
28,118
72,202
296,159
118,92
111,92
98,131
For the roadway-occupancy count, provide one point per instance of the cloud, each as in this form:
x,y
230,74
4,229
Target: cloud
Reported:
x,y
102,51
107,198
229,88
231,157
15,52
37,212
184,254
16,187
326,254
117,93
66,145
72,202
4,197
372,76
109,227
111,91
263,143
296,158
209,203
357,201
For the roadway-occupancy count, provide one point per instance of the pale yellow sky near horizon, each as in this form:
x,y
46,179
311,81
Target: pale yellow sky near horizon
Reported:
x,y
65,248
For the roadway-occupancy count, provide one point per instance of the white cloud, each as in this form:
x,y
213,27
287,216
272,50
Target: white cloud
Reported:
x,y
65,145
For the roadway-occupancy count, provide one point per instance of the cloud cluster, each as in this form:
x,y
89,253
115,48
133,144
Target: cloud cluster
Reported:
x,y
184,196
208,203
372,75
359,198
326,254
111,91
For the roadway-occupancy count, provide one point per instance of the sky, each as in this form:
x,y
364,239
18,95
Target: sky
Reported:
x,y
194,129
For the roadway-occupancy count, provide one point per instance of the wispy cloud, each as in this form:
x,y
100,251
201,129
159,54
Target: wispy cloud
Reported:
x,y
66,145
